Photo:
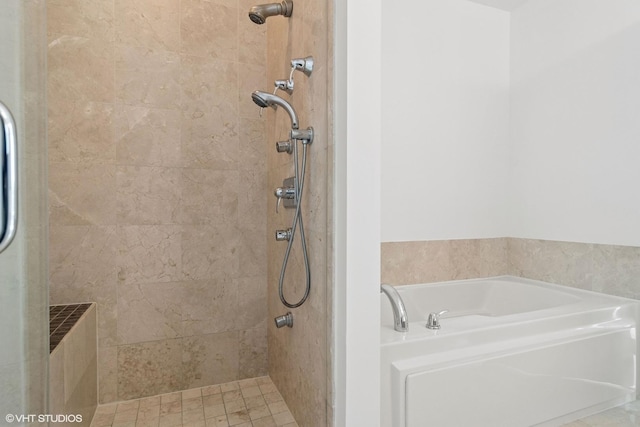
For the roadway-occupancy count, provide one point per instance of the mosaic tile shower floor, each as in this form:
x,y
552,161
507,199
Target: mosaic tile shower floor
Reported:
x,y
253,402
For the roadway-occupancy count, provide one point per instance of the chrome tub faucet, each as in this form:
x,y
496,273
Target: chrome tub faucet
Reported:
x,y
400,318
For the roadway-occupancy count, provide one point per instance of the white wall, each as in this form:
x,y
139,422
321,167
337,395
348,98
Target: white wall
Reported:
x,y
356,261
522,124
445,73
575,121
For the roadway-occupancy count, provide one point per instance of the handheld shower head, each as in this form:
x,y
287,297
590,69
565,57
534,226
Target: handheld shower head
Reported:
x,y
264,100
260,13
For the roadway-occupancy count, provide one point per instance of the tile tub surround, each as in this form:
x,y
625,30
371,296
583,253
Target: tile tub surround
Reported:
x,y
609,269
73,371
157,187
405,263
252,402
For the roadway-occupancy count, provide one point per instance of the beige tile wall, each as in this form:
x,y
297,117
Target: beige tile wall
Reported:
x,y
404,263
610,269
299,357
603,268
157,162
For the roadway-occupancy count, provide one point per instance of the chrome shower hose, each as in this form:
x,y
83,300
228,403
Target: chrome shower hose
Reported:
x,y
297,223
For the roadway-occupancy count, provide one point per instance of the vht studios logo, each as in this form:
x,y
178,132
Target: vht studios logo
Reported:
x,y
43,418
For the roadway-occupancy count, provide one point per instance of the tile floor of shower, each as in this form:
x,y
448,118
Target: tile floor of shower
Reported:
x,y
253,402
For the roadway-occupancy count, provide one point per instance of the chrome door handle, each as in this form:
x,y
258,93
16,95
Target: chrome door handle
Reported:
x,y
9,173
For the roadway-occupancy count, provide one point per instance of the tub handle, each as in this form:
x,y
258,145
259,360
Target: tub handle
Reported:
x,y
434,319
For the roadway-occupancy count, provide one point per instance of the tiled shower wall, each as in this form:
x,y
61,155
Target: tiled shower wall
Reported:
x,y
609,269
157,164
299,357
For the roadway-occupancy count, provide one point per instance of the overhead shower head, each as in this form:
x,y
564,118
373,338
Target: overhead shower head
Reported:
x,y
264,100
260,13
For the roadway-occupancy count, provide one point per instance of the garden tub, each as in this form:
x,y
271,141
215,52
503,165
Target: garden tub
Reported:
x,y
509,352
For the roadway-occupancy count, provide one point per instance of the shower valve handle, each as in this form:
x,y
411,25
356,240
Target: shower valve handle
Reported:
x,y
284,193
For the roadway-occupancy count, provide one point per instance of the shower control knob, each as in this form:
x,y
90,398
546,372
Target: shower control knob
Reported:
x,y
282,235
287,193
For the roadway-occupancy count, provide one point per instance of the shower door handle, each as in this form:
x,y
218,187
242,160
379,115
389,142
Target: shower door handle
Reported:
x,y
9,178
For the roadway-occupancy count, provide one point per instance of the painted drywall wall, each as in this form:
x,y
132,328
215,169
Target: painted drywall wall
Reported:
x,y
356,256
521,124
508,5
575,121
445,73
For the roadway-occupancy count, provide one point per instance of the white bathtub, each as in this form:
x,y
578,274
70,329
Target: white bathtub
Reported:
x,y
510,352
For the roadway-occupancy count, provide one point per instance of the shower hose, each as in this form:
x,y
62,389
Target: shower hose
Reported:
x,y
297,223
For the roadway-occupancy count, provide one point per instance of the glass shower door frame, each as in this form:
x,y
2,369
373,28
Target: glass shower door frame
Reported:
x,y
24,331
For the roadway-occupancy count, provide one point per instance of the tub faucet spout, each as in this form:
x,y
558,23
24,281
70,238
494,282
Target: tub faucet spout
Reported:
x,y
400,318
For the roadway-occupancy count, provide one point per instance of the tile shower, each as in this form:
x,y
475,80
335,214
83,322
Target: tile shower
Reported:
x,y
149,213
158,172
